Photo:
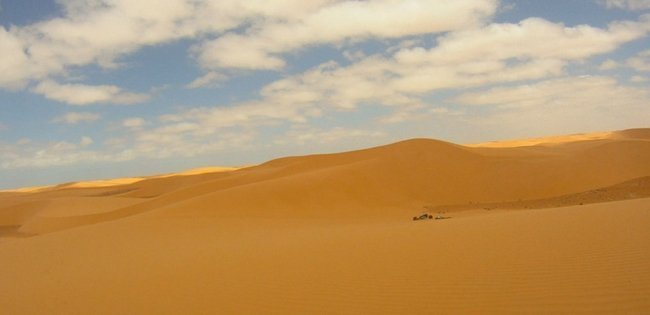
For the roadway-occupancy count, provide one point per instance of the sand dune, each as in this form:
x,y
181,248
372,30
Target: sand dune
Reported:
x,y
118,181
639,134
566,231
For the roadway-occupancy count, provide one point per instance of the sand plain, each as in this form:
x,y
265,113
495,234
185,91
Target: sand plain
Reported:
x,y
548,225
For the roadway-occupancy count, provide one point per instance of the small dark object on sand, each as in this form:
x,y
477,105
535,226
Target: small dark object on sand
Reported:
x,y
424,216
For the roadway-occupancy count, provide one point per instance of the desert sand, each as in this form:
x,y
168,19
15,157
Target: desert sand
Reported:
x,y
548,225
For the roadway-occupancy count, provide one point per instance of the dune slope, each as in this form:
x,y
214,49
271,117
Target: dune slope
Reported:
x,y
333,233
584,259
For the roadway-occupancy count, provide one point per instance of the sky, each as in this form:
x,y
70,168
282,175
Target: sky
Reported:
x,y
93,89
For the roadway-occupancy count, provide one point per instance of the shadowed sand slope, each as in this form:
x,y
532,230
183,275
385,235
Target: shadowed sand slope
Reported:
x,y
632,189
332,233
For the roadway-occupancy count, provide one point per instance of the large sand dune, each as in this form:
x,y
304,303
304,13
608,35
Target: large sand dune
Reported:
x,y
556,224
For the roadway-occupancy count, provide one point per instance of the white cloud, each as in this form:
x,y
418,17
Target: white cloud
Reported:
x,y
532,49
566,105
206,121
590,91
627,4
608,64
262,45
76,117
403,114
14,64
24,141
257,35
302,136
210,79
86,141
640,62
531,38
41,155
27,154
332,87
638,79
354,55
125,26
81,94
421,113
133,122
32,154
202,130
164,144
51,47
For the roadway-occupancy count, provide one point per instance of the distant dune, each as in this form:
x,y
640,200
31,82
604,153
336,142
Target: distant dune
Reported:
x,y
547,225
118,181
637,134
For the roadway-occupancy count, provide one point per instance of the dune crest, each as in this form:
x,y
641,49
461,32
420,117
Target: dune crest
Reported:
x,y
119,181
638,134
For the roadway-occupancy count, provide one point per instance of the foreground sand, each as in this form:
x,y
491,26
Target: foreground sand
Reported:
x,y
561,226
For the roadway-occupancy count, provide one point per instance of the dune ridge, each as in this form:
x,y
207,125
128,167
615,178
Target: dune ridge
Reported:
x,y
566,232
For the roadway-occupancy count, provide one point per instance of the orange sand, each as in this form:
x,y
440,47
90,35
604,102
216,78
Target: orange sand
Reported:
x,y
333,234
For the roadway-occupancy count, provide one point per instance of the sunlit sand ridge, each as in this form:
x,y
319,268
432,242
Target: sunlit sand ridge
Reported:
x,y
546,225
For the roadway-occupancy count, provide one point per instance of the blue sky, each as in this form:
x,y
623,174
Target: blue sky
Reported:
x,y
95,89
